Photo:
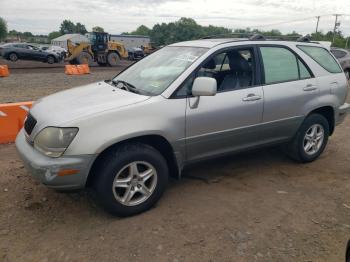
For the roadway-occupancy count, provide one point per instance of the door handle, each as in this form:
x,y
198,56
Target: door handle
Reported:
x,y
310,87
251,97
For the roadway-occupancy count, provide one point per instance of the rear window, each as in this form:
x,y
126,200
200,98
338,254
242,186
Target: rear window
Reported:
x,y
322,57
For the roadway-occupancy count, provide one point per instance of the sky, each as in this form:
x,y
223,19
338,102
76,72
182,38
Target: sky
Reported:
x,y
116,16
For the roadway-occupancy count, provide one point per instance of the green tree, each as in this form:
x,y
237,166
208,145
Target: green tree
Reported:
x,y
80,29
54,34
97,29
3,28
141,30
67,27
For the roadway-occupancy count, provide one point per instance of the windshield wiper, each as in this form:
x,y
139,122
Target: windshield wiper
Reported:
x,y
128,87
131,88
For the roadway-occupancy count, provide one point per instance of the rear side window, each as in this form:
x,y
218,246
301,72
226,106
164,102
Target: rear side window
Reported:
x,y
322,57
281,65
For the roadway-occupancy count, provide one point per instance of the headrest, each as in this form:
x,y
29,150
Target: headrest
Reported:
x,y
210,64
238,63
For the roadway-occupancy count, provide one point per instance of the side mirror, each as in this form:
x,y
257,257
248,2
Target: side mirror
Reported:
x,y
204,86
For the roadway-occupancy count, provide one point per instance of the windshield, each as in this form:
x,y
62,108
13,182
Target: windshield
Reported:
x,y
156,72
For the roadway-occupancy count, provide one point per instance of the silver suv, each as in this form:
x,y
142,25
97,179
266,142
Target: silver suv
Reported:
x,y
187,102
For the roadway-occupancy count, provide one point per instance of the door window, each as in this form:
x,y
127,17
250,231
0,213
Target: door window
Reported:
x,y
232,69
304,72
281,65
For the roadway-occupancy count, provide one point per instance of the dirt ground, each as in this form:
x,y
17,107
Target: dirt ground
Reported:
x,y
256,206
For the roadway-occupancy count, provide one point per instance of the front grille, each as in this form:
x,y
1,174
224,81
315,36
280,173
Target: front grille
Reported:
x,y
29,124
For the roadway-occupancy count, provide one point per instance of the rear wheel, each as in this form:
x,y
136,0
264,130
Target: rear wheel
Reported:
x,y
113,59
13,57
50,59
131,179
84,58
310,140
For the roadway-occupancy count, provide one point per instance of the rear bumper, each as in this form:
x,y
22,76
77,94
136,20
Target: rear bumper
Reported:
x,y
45,169
343,110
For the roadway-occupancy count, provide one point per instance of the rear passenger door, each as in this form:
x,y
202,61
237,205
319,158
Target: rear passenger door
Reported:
x,y
288,85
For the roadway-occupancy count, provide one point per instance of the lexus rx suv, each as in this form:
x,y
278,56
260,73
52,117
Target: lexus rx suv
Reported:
x,y
185,103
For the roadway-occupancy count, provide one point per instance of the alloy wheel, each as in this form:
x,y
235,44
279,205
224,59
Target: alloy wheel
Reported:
x,y
313,139
134,183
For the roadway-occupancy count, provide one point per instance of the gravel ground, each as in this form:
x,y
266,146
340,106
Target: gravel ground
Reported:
x,y
256,206
31,86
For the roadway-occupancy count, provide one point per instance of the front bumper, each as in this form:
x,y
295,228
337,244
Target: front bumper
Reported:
x,y
45,169
343,110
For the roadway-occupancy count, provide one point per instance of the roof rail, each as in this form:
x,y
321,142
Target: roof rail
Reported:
x,y
257,37
260,37
305,38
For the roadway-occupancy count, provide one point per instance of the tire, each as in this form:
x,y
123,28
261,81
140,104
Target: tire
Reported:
x,y
84,58
51,59
305,138
13,57
113,59
118,165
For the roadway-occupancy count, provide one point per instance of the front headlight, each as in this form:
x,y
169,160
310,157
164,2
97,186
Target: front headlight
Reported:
x,y
53,141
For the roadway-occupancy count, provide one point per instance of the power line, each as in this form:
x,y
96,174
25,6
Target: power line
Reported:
x,y
289,21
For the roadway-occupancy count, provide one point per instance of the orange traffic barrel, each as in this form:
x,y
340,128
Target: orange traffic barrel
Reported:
x,y
4,71
12,117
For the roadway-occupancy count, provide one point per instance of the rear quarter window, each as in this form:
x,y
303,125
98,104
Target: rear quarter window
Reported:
x,y
322,57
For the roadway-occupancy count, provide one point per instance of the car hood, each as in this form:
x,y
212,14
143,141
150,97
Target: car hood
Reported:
x,y
72,104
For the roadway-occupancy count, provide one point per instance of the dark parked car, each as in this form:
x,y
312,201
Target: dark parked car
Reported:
x,y
343,57
16,51
135,53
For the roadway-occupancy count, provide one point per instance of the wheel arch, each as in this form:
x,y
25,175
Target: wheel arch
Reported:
x,y
156,141
328,113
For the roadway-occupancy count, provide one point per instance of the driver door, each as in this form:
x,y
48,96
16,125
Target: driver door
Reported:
x,y
231,119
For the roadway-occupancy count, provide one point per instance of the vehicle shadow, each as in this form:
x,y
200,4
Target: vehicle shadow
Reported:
x,y
233,165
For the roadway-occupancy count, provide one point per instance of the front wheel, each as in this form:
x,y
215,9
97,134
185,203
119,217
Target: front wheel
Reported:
x,y
310,140
131,179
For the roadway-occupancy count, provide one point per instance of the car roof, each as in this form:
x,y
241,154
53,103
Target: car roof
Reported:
x,y
210,43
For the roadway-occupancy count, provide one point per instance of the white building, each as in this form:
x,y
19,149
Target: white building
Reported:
x,y
130,41
62,40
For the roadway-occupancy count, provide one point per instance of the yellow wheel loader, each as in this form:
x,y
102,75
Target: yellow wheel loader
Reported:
x,y
99,49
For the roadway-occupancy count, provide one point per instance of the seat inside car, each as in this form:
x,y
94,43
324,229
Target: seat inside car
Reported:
x,y
208,69
239,75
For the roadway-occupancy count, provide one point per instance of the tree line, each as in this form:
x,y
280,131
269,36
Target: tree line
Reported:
x,y
66,27
187,29
181,30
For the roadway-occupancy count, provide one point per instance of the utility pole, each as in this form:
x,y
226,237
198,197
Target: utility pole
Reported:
x,y
318,20
336,24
